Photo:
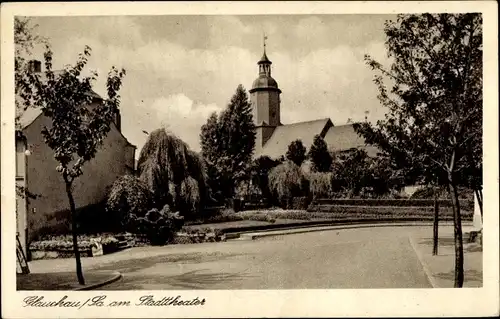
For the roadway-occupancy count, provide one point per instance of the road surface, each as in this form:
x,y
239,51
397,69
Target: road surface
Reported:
x,y
378,257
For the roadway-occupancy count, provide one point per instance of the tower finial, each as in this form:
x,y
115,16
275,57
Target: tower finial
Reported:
x,y
265,38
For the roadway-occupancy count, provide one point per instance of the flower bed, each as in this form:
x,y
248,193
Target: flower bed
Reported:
x,y
62,246
200,235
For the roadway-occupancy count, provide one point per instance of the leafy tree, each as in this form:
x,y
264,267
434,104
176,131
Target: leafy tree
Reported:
x,y
78,124
211,146
296,152
228,142
259,174
352,168
287,181
319,155
435,103
383,178
127,196
175,175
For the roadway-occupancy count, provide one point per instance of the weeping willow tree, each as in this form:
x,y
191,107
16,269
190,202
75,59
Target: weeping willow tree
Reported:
x,y
287,181
174,174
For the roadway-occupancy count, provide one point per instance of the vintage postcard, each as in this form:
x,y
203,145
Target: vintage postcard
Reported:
x,y
250,159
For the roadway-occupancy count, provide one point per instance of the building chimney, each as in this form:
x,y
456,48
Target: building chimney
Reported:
x,y
35,66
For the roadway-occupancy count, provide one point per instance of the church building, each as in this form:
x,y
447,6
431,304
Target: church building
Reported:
x,y
273,137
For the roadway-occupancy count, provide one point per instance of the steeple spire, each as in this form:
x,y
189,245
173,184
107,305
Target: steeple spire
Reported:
x,y
264,63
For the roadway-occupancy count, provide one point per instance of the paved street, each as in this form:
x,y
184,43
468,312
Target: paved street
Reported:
x,y
380,257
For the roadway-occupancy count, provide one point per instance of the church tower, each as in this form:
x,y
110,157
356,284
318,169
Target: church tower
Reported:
x,y
265,99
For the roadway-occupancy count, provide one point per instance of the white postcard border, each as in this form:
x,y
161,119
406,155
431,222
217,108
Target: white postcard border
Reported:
x,y
260,303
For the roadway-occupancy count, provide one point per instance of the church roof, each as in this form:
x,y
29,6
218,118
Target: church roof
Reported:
x,y
344,137
338,138
283,135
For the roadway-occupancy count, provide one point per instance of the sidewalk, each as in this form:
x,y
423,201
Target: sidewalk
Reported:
x,y
65,280
441,268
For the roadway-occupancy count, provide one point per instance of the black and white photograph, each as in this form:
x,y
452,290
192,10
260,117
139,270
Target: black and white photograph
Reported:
x,y
226,152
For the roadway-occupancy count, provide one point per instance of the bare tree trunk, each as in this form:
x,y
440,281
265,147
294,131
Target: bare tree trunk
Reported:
x,y
457,223
436,225
79,272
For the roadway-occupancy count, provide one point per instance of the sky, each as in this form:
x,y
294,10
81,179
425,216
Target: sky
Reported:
x,y
180,69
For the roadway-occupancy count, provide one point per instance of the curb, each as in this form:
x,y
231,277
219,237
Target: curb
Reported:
x,y
115,277
323,222
313,228
425,267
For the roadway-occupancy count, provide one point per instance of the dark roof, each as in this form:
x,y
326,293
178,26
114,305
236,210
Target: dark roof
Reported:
x,y
338,138
283,135
264,81
264,59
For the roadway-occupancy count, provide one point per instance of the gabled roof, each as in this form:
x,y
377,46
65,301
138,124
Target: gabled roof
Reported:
x,y
283,135
344,137
31,114
338,138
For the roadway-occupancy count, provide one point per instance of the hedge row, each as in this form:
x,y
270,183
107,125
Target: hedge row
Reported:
x,y
385,209
389,211
344,213
466,204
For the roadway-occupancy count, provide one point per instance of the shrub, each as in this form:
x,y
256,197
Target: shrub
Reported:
x,y
128,196
321,185
300,203
287,181
159,226
247,191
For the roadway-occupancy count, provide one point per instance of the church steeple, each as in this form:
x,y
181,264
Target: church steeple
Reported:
x,y
265,97
264,63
